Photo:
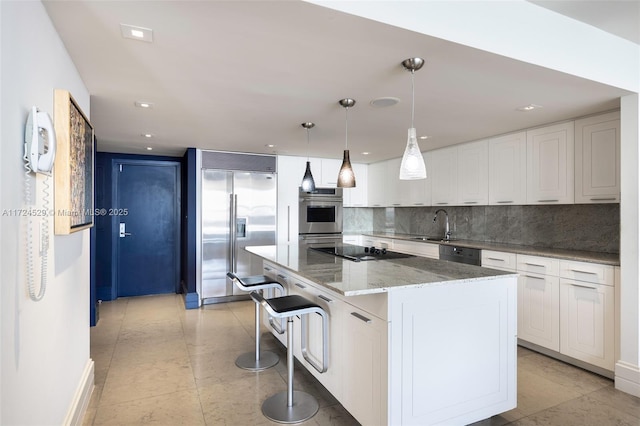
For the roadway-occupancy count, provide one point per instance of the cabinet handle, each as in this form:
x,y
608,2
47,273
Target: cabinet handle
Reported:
x,y
266,268
535,278
325,298
495,258
282,276
471,202
583,286
418,204
395,204
583,272
504,202
442,203
604,199
288,224
548,201
534,264
361,317
300,285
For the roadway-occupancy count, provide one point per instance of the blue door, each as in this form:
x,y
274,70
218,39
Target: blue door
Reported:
x,y
147,230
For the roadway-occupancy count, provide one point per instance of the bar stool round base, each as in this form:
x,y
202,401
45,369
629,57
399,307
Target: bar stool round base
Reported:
x,y
248,361
304,407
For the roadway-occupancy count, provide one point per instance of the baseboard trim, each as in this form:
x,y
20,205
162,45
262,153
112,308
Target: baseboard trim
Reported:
x,y
627,378
191,301
82,396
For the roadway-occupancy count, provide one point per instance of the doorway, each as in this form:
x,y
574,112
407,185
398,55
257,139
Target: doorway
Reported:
x,y
146,227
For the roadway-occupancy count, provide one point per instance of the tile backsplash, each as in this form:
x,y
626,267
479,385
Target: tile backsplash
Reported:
x,y
591,227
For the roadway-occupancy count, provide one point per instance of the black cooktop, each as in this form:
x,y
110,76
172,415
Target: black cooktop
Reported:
x,y
359,253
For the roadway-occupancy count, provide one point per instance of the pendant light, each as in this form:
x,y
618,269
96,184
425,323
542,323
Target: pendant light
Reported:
x,y
412,166
346,177
308,184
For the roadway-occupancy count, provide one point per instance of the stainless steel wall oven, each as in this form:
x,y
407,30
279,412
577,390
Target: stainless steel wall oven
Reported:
x,y
320,212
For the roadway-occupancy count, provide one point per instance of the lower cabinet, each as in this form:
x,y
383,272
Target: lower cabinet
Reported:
x,y
538,310
365,351
565,306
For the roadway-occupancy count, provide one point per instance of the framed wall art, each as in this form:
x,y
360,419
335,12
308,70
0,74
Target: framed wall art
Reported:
x,y
73,167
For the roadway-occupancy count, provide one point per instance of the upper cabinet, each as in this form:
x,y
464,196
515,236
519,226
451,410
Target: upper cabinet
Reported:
x,y
508,169
597,162
550,168
357,197
473,173
376,189
459,174
329,167
444,176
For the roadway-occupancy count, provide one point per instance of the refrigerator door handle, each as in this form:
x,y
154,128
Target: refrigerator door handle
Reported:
x,y
234,235
230,243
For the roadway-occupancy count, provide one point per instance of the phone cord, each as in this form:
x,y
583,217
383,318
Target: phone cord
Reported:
x,y
45,237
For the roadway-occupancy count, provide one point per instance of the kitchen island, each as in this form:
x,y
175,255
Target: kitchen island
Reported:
x,y
412,341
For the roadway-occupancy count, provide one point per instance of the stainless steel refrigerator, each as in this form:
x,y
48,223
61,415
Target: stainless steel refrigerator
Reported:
x,y
238,209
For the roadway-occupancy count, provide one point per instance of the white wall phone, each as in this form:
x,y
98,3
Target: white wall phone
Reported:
x,y
39,153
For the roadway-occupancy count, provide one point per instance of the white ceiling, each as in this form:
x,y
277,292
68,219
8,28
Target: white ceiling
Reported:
x,y
239,75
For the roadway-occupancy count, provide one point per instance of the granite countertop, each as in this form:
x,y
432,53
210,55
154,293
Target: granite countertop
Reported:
x,y
578,255
368,277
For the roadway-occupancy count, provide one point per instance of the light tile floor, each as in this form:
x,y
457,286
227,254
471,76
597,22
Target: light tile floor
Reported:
x,y
157,363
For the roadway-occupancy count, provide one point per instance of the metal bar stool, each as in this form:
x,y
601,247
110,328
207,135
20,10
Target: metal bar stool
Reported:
x,y
294,406
258,360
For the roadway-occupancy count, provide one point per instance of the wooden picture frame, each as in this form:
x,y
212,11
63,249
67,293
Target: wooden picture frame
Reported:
x,y
73,166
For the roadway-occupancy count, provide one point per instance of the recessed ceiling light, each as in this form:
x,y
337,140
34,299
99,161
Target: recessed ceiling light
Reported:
x,y
365,153
384,102
149,148
270,145
423,137
136,33
529,107
141,104
147,135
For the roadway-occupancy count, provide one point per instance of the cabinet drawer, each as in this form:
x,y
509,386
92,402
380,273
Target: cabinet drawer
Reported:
x,y
418,249
498,259
537,265
588,272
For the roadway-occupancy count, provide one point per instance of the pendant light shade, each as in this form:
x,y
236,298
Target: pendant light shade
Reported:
x,y
308,184
412,165
346,177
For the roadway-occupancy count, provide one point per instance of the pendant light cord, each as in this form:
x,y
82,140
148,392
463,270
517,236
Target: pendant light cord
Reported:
x,y
413,97
346,128
307,144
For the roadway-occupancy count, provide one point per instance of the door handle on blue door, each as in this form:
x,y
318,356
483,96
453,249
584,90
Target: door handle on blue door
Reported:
x,y
122,230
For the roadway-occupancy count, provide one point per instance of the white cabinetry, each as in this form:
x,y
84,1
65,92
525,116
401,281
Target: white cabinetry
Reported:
x,y
473,173
587,310
290,172
364,383
394,186
329,172
550,165
498,260
357,197
597,152
417,249
444,176
377,187
565,306
508,169
539,301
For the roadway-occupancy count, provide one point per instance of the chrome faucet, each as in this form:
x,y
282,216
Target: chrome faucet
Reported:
x,y
447,231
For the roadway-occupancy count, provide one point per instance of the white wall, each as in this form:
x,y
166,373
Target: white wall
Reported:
x,y
45,345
